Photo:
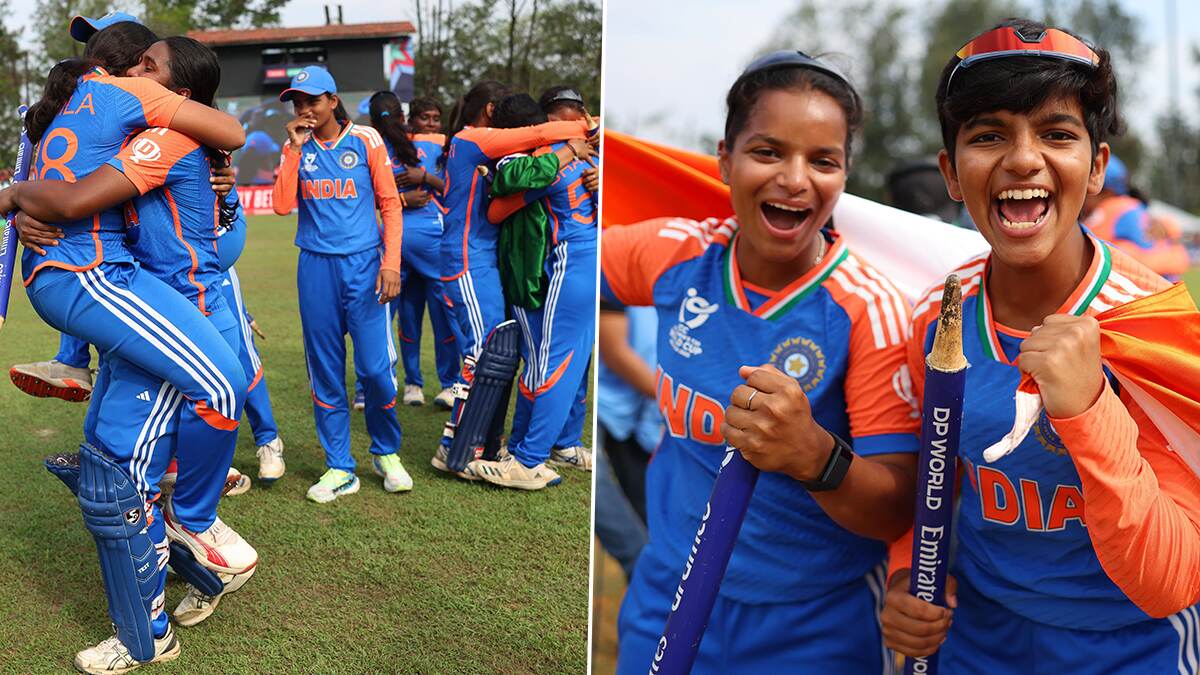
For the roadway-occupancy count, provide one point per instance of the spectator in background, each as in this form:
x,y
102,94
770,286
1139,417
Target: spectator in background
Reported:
x,y
1119,216
629,427
916,186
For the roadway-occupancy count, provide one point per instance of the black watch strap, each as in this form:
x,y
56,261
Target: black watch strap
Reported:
x,y
835,469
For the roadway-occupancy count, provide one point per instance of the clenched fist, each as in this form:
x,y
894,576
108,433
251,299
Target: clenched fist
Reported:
x,y
1063,356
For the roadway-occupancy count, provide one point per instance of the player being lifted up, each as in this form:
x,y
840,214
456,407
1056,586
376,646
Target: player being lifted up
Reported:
x,y
769,313
1079,551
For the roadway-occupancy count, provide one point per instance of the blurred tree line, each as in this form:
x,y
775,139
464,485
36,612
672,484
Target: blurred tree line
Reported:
x,y
527,44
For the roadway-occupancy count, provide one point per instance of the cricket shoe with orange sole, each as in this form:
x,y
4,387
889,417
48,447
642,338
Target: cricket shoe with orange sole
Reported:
x,y
219,548
236,482
52,379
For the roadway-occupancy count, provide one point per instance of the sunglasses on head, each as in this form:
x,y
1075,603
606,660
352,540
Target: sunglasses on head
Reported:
x,y
792,58
1008,41
568,95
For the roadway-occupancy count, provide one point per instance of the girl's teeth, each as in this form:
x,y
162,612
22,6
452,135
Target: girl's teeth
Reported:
x,y
1030,193
785,207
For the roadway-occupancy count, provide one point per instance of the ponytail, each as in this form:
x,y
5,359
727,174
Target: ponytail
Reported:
x,y
468,108
60,87
388,119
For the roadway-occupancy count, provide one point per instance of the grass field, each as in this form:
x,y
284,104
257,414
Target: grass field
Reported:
x,y
451,578
608,581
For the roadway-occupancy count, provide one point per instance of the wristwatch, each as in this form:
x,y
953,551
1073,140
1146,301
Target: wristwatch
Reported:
x,y
835,469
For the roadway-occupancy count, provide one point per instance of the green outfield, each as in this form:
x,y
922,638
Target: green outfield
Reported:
x,y
450,578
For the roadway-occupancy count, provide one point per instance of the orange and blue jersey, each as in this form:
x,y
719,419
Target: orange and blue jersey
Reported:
x,y
339,184
90,129
838,330
570,207
1023,520
429,151
469,239
179,245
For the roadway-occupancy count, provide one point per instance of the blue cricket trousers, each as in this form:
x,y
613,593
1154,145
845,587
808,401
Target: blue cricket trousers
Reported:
x,y
258,400
337,296
557,348
162,361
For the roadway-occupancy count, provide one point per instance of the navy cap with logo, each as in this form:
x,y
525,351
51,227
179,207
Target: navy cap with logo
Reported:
x,y
83,27
312,80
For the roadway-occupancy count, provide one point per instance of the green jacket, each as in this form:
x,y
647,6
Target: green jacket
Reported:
x,y
524,238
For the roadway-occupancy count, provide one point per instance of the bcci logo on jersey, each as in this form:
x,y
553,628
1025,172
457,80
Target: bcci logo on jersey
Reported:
x,y
310,162
802,359
1047,436
348,160
693,312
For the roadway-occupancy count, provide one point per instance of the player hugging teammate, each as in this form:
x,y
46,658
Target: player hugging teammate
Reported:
x,y
132,121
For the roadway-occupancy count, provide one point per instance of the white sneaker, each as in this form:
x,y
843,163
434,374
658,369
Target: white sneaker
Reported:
x,y
439,462
111,656
236,483
270,461
219,548
395,477
196,606
52,379
508,472
413,395
445,399
577,457
333,484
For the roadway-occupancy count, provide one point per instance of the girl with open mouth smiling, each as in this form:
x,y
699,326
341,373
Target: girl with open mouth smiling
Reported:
x,y
768,313
1079,552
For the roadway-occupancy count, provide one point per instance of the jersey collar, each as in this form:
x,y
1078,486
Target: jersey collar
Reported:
x,y
345,132
779,302
1077,304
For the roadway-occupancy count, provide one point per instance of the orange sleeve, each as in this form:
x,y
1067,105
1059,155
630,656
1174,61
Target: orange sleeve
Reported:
x,y
633,257
387,199
496,143
503,207
879,400
287,179
159,104
150,156
1142,504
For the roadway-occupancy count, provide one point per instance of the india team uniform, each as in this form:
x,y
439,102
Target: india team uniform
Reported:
x,y
338,185
801,593
558,336
470,277
89,287
1033,595
420,275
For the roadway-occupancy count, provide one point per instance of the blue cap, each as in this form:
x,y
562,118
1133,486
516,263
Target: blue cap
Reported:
x,y
83,28
364,106
313,80
1116,176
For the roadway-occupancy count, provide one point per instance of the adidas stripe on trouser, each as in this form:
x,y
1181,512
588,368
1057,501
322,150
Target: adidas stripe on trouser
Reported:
x,y
557,347
147,333
337,296
258,408
476,307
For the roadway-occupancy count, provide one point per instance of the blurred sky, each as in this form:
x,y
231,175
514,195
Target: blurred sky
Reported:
x,y
664,60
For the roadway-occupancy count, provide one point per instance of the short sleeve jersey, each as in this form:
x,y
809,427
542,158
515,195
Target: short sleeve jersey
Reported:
x,y
838,330
569,206
336,193
1022,523
177,212
86,133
